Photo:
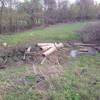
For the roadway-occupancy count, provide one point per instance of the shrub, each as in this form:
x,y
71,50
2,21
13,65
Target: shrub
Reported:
x,y
91,33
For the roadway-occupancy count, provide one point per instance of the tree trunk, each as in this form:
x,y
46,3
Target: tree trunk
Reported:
x,y
1,12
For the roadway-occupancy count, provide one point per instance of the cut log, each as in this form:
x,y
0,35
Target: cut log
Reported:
x,y
45,48
48,52
81,44
48,44
52,49
78,43
60,45
45,44
4,44
28,49
85,49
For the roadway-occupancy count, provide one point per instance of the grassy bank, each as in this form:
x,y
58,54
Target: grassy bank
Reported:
x,y
52,33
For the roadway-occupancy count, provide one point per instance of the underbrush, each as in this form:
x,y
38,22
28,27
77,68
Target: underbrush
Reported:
x,y
91,33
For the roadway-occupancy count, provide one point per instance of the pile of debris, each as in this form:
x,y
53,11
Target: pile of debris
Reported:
x,y
45,52
77,48
82,48
19,55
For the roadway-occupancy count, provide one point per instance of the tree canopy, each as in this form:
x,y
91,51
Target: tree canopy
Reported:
x,y
16,15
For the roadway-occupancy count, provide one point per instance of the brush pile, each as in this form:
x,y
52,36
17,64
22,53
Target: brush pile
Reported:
x,y
50,53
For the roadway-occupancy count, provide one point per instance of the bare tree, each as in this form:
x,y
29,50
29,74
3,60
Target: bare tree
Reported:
x,y
50,11
1,13
63,11
86,8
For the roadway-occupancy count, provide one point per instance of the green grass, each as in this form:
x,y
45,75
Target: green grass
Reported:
x,y
81,79
53,33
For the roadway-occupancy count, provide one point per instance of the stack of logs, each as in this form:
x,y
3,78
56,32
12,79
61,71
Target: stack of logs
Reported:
x,y
49,48
83,46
